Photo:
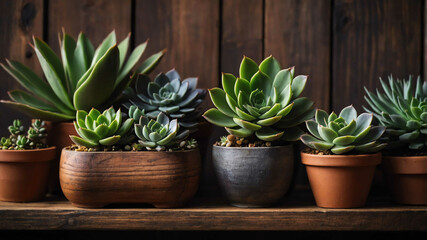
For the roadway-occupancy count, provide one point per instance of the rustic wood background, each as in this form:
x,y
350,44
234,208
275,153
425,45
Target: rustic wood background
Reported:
x,y
342,45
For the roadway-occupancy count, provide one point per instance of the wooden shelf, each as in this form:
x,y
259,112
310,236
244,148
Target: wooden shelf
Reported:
x,y
207,214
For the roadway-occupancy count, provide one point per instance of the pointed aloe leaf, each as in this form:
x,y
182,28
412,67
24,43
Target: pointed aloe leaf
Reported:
x,y
72,70
218,118
269,121
83,142
315,143
101,81
228,82
38,113
348,130
28,99
270,67
282,79
344,140
268,134
262,82
312,128
248,68
327,134
218,97
246,124
298,85
348,113
239,132
110,140
342,149
272,112
131,62
52,68
242,85
123,49
103,48
84,51
150,63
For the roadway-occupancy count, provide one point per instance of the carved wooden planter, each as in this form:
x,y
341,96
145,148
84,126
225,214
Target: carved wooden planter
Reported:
x,y
96,179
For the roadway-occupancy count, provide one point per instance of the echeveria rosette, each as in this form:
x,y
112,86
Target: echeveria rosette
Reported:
x,y
81,78
263,101
169,95
160,132
402,109
343,133
96,129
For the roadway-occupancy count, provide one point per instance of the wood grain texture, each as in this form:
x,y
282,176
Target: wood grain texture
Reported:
x,y
96,179
96,18
242,33
298,213
19,20
373,39
297,33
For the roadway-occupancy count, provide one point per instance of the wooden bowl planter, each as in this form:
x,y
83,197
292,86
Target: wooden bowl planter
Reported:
x,y
24,174
407,178
340,181
253,177
96,179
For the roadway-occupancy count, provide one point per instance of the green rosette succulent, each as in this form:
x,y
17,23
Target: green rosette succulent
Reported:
x,y
81,78
169,95
159,133
96,129
263,101
20,138
402,109
343,133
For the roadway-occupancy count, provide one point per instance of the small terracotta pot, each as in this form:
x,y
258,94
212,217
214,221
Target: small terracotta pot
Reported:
x,y
407,178
340,181
24,174
96,179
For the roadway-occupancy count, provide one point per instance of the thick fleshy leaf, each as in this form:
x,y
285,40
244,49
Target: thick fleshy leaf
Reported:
x,y
243,115
412,125
409,136
375,133
398,121
102,130
348,130
72,70
315,143
246,124
101,81
216,117
349,113
239,132
285,110
131,62
155,137
28,99
126,126
150,63
248,68
89,134
123,49
298,85
282,79
218,99
270,66
37,113
312,128
272,112
342,149
332,117
262,82
228,82
104,47
268,134
269,121
83,142
363,121
326,133
285,96
344,140
84,51
334,126
242,85
321,117
110,140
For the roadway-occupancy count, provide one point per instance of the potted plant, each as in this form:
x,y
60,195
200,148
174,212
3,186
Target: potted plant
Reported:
x,y
107,168
261,111
341,157
82,78
402,108
24,163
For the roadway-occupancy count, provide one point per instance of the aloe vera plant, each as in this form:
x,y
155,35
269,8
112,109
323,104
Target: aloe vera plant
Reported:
x,y
264,100
82,78
96,129
160,133
343,133
402,109
169,95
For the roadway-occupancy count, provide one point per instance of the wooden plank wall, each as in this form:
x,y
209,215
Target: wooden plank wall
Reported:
x,y
342,45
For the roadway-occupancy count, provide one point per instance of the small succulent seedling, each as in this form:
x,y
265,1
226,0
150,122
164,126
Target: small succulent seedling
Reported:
x,y
20,138
264,100
96,129
169,95
343,133
402,109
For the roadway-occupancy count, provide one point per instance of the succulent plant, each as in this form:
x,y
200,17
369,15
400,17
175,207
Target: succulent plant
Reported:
x,y
96,129
169,95
402,109
160,133
71,84
20,138
263,101
343,133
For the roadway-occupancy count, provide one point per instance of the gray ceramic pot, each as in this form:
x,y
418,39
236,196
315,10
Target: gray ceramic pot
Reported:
x,y
253,177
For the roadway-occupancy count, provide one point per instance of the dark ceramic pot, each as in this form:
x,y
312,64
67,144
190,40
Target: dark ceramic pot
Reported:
x,y
253,177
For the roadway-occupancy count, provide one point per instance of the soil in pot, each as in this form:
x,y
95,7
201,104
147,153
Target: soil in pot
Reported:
x,y
24,174
340,181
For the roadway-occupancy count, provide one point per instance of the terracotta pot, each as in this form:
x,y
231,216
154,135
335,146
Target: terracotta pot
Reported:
x,y
24,174
253,177
340,181
96,179
407,178
58,135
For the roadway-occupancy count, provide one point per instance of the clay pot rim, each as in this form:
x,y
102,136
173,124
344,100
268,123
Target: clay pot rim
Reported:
x,y
27,150
237,148
124,152
405,164
341,160
26,156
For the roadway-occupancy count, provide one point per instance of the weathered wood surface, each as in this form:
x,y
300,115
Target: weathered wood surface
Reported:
x,y
298,214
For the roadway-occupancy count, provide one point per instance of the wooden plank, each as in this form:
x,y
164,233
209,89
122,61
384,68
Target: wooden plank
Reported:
x,y
242,33
373,39
213,214
19,20
96,18
297,33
